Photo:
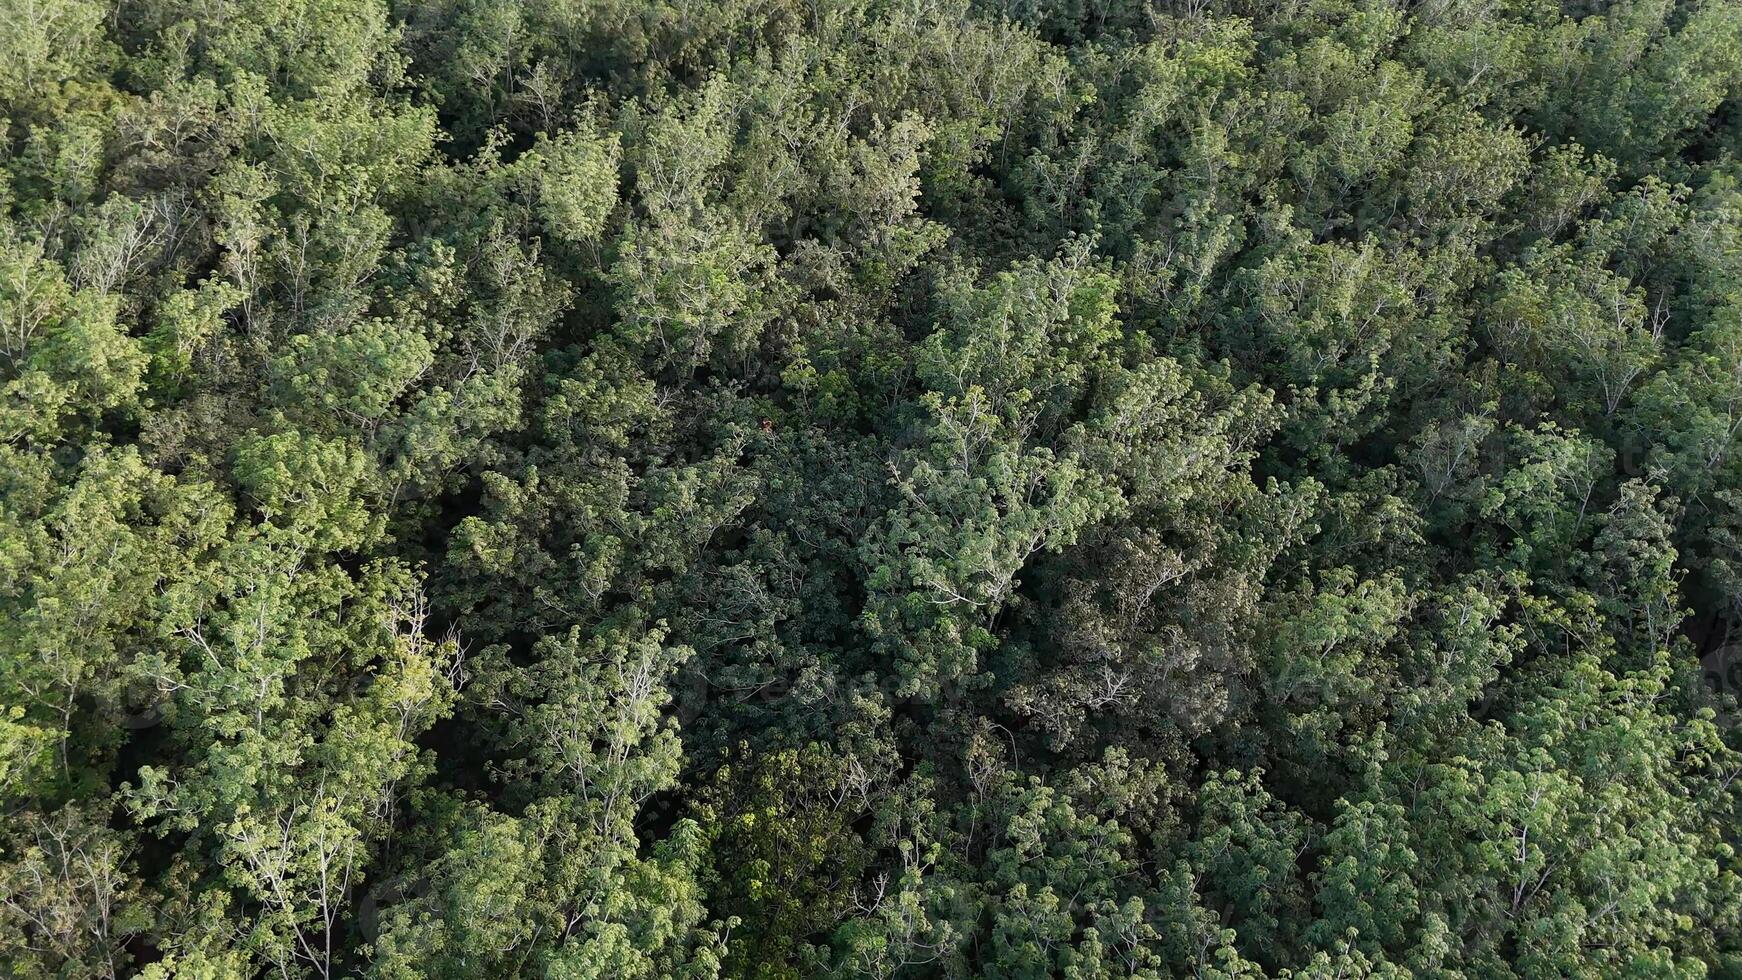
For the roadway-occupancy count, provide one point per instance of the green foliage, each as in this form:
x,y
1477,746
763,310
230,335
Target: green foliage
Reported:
x,y
964,488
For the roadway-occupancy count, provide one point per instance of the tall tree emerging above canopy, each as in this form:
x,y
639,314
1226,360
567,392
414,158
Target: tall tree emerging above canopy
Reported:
x,y
870,488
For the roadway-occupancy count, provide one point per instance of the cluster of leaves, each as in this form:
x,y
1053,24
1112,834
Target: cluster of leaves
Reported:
x,y
870,488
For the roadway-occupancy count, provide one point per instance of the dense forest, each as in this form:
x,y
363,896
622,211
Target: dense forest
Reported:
x,y
870,488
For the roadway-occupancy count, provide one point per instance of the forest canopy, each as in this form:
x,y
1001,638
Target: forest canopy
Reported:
x,y
642,489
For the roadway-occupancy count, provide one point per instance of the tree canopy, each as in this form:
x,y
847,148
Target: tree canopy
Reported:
x,y
870,488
